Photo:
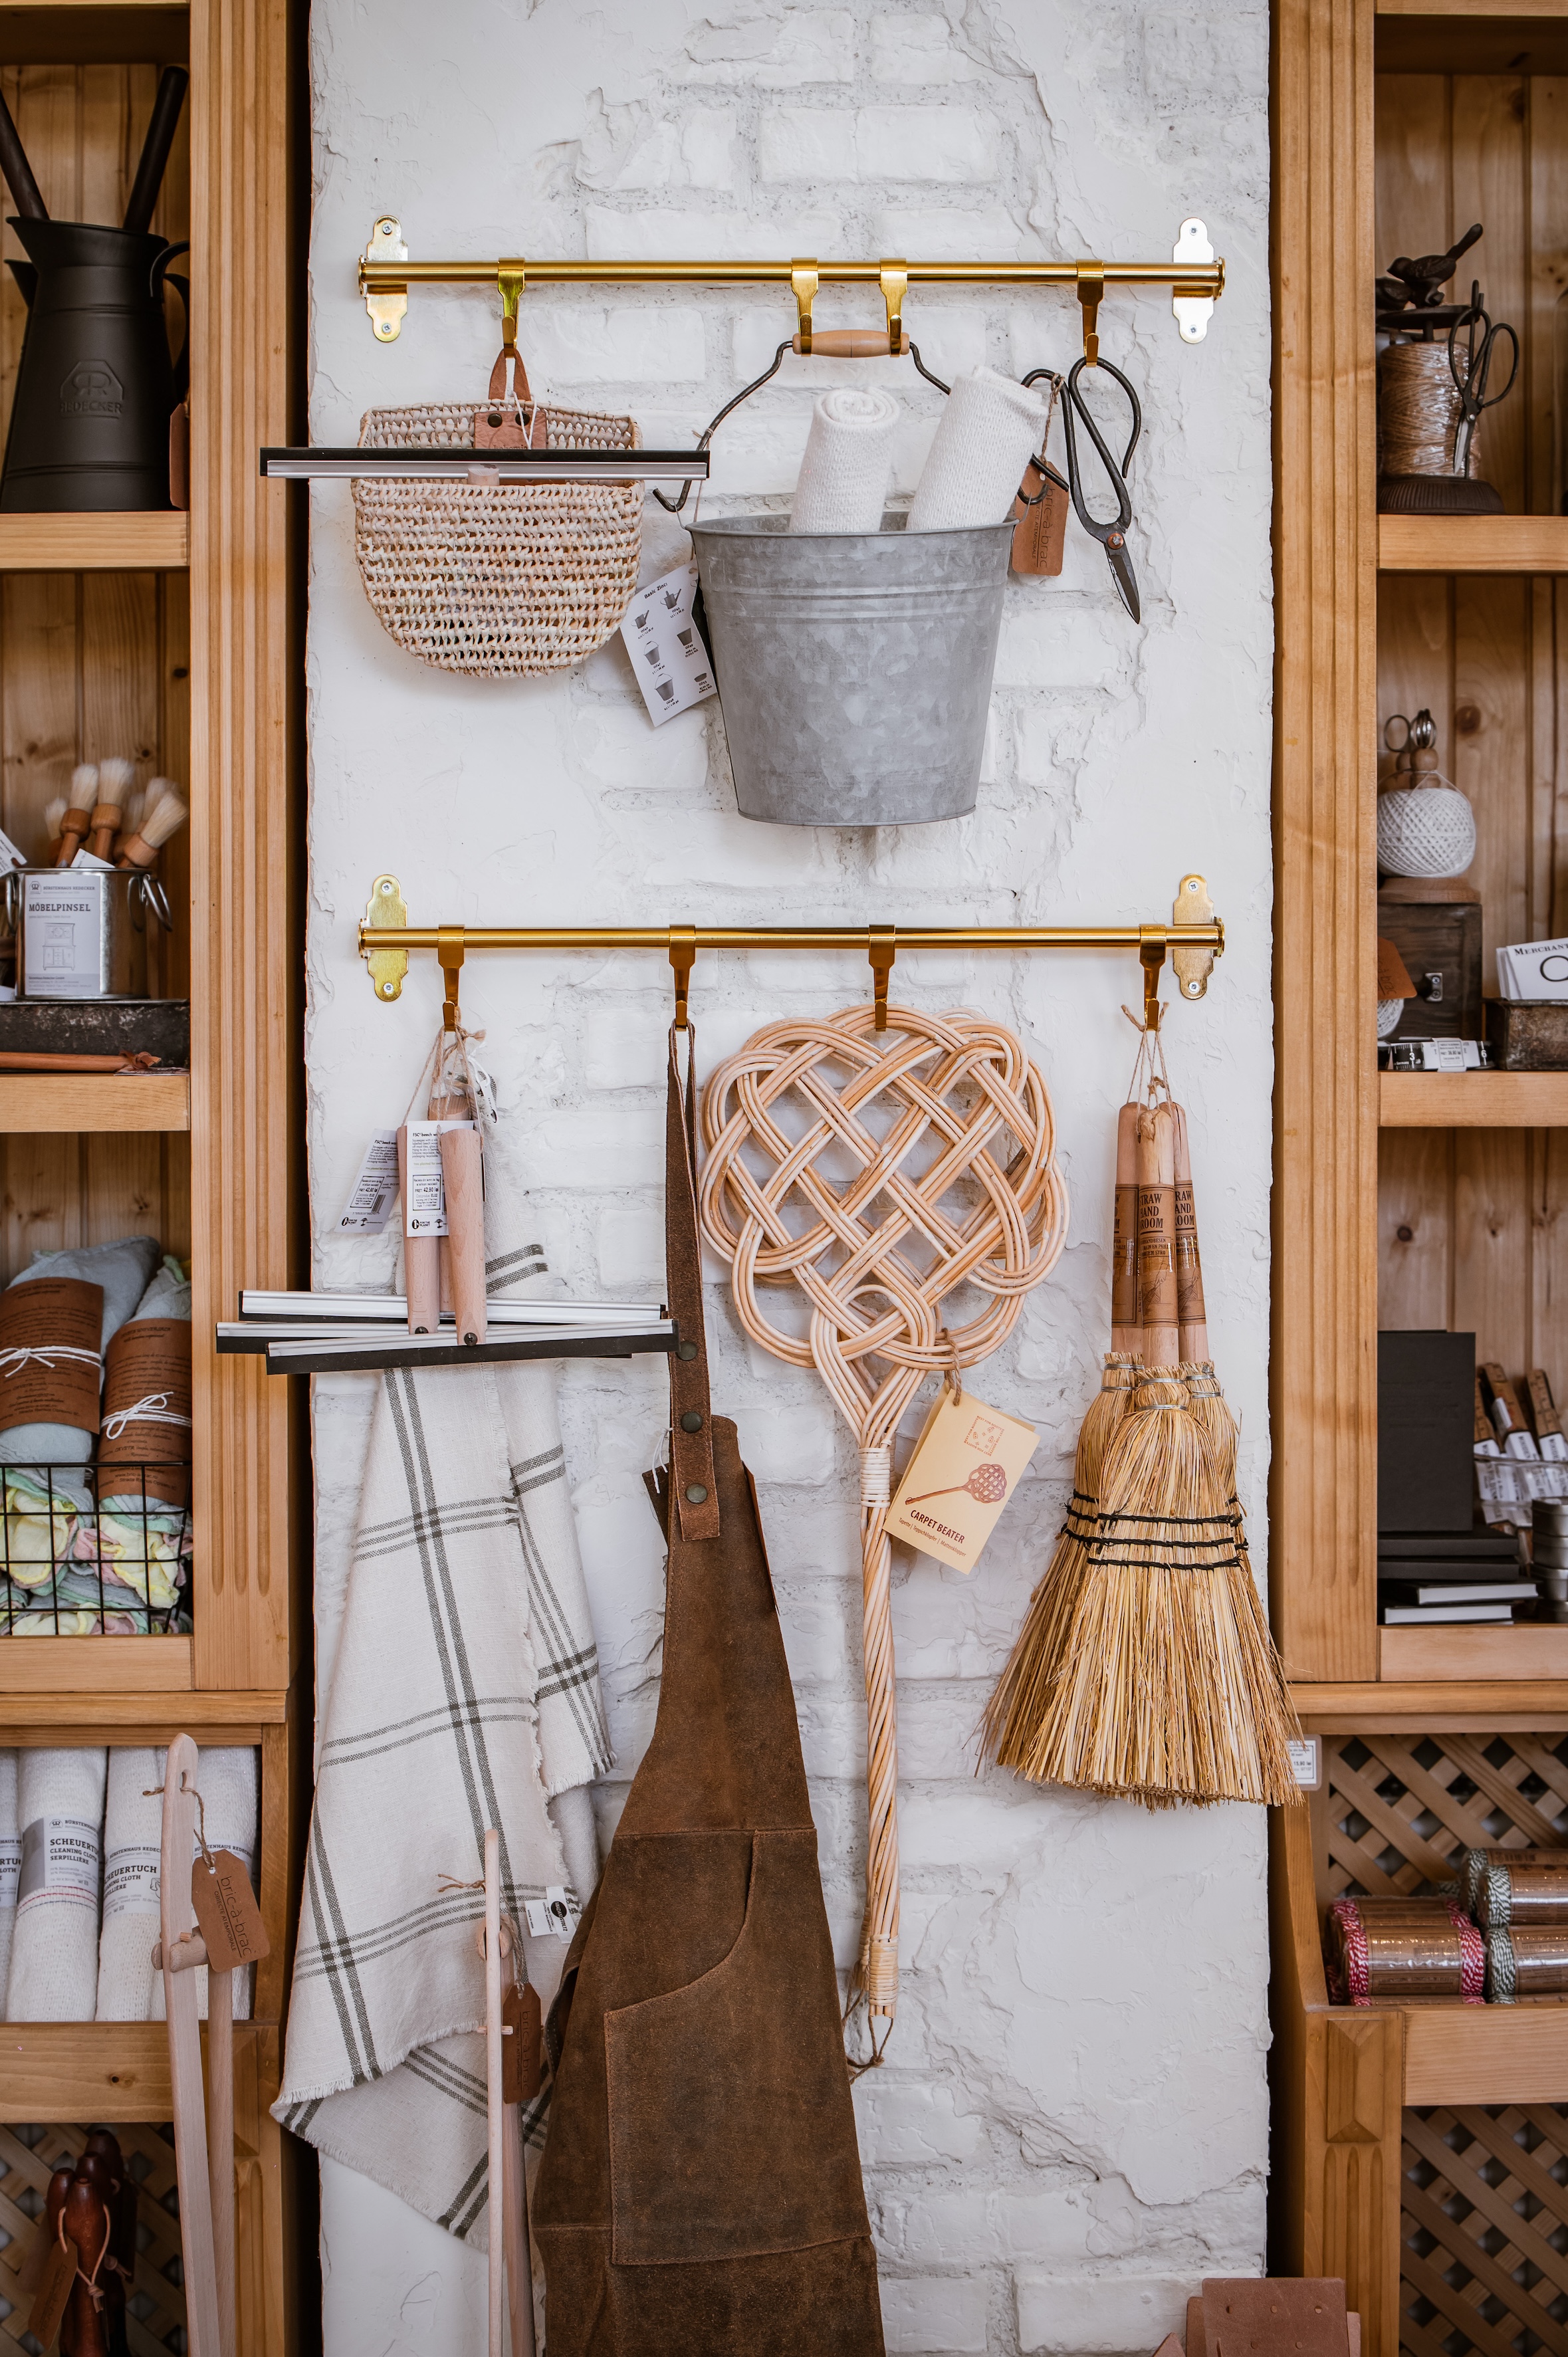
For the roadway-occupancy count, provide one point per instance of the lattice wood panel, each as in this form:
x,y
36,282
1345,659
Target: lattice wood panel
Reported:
x,y
1483,2232
1400,1810
155,2316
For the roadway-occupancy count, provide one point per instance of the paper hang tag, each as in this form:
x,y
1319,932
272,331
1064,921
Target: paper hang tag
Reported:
x,y
1306,1760
522,2050
425,1213
374,1191
1039,536
51,1335
557,1911
668,653
966,1466
48,2305
227,1915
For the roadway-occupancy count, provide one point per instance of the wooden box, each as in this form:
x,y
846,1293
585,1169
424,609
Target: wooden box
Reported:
x,y
1440,941
1527,1034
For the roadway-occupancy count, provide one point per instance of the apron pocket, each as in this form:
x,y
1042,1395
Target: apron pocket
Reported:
x,y
731,2129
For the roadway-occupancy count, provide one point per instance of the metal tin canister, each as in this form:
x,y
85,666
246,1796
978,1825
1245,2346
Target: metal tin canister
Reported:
x,y
1477,1864
1527,1960
83,931
1405,1948
1537,1893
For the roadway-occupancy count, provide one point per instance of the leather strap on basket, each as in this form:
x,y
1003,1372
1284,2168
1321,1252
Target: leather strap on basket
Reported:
x,y
690,1422
527,427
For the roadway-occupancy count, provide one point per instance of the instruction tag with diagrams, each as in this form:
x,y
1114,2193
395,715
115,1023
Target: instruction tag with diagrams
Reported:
x,y
966,1465
668,654
375,1188
425,1213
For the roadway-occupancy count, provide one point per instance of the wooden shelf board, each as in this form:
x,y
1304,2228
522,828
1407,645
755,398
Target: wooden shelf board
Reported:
x,y
1486,2053
1438,1706
94,32
1466,1654
1473,1100
109,1665
96,2070
1473,544
61,1690
1516,12
147,542
32,1102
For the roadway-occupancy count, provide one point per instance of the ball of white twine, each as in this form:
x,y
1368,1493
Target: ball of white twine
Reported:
x,y
1389,1013
1425,831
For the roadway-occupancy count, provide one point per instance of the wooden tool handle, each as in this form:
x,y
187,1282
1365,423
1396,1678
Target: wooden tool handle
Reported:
x,y
178,1918
1126,1328
421,1260
462,1174
104,828
1156,1238
1191,1314
73,829
848,343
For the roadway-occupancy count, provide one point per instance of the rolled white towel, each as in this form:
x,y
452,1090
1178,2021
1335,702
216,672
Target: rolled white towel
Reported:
x,y
990,429
54,1953
227,1778
133,1837
10,1867
844,473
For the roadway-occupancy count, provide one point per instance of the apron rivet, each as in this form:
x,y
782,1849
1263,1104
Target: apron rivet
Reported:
x,y
691,1422
686,1350
695,1493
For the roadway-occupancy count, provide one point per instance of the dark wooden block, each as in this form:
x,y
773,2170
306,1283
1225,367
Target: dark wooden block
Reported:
x,y
1440,937
1527,1034
1426,1416
89,1027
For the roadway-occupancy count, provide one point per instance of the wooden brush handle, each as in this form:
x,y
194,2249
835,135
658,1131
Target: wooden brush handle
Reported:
x,y
1127,1331
1156,1238
105,828
846,343
462,1176
73,829
1191,1315
421,1260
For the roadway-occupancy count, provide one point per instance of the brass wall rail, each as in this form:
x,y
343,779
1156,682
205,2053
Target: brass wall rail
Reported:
x,y
1195,937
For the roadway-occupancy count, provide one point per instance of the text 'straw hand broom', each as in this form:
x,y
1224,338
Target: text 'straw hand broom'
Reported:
x,y
880,1172
1144,1667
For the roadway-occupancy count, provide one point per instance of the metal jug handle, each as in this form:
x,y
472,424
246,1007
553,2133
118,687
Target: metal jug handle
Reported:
x,y
154,897
11,899
182,363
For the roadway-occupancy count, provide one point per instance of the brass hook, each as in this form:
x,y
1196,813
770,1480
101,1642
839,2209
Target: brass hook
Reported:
x,y
682,958
895,286
803,282
880,940
1151,958
1091,294
449,949
510,278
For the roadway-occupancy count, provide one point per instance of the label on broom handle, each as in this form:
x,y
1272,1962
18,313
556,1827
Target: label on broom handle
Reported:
x,y
1124,1258
1158,1302
1190,1310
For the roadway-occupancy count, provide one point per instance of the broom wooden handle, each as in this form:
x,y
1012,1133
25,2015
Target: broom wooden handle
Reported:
x,y
1156,1237
421,1259
462,1174
1126,1329
1191,1315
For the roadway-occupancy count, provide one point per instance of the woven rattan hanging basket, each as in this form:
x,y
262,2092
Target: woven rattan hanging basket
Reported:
x,y
503,579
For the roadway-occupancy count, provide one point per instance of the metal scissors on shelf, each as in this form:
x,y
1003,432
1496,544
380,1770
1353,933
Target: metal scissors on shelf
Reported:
x,y
1111,536
1471,386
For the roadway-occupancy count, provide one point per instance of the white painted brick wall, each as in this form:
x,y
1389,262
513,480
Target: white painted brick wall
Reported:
x,y
1071,2129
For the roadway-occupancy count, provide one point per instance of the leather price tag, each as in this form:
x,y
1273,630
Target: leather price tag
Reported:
x,y
227,1914
1039,535
48,2310
522,2036
51,1336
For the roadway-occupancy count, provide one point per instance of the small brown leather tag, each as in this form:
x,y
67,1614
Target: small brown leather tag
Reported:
x,y
48,2310
523,2060
227,1914
1039,535
500,427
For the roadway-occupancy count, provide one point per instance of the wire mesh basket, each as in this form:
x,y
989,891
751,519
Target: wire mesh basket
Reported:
x,y
89,1551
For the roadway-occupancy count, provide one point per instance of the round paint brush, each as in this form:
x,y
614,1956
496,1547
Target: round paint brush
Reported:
x,y
164,812
77,817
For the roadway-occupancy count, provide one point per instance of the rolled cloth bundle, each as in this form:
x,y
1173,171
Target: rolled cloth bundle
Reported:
x,y
848,462
228,1781
989,430
133,1830
10,1867
121,1271
54,1955
1527,1960
1396,1949
137,1544
1511,1892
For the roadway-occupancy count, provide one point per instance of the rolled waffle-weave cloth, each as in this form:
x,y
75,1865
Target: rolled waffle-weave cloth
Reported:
x,y
464,1695
848,462
54,1952
132,1842
10,1867
1405,1948
1526,1960
122,1270
228,1780
167,1293
989,430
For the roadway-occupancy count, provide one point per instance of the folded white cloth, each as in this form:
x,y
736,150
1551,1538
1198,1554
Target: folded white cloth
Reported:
x,y
167,1295
54,1953
848,460
464,1695
989,430
228,1779
132,1838
10,1867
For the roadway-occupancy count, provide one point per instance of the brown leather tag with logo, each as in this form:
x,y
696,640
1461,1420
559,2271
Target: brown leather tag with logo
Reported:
x,y
500,427
1039,535
522,2053
50,1334
48,2310
149,1367
227,1914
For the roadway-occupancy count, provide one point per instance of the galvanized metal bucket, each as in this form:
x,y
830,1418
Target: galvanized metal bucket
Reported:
x,y
82,931
853,669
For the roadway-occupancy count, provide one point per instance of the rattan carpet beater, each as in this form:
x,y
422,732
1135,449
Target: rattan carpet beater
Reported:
x,y
879,1173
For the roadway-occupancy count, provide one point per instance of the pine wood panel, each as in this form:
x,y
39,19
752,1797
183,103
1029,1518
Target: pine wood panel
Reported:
x,y
1505,543
1415,1229
1473,1101
1472,1656
90,1101
1322,1487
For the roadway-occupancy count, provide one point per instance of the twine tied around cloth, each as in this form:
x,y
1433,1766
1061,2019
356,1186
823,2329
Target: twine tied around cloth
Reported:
x,y
154,1409
48,1354
945,1129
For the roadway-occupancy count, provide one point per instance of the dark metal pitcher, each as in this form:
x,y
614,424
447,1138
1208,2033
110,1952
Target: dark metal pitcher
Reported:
x,y
95,384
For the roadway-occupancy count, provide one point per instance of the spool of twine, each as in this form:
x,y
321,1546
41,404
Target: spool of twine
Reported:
x,y
1419,412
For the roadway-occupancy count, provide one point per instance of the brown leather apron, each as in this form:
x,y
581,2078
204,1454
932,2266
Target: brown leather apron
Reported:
x,y
700,2193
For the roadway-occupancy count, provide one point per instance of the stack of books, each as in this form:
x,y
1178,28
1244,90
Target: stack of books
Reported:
x,y
1432,1577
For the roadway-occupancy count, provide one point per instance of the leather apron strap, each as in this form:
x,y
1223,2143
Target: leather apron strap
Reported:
x,y
695,1490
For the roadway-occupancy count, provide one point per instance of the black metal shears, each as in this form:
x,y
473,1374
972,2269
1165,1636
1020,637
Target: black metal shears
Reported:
x,y
1471,386
1111,536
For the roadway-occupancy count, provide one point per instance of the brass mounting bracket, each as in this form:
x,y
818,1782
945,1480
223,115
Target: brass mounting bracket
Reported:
x,y
895,286
682,958
881,948
387,967
1091,295
803,281
1193,964
387,305
1193,307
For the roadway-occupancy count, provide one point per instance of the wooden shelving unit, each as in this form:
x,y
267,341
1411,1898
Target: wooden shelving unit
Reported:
x,y
1412,2143
94,543
94,1102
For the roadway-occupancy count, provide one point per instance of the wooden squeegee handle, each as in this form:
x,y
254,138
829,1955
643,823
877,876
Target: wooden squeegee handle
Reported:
x,y
177,1920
